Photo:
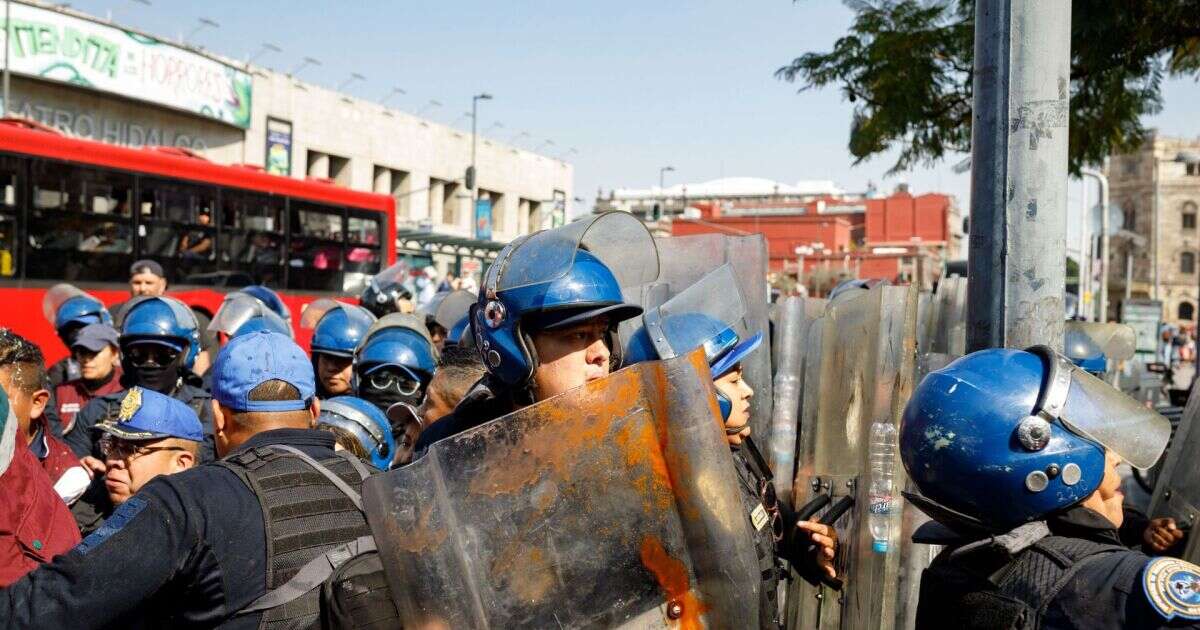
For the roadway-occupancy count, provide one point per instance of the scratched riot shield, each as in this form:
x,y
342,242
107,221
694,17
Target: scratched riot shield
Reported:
x,y
1177,491
686,259
865,375
795,316
612,505
943,324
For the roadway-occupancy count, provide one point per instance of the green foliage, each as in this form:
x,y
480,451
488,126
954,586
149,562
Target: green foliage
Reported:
x,y
906,65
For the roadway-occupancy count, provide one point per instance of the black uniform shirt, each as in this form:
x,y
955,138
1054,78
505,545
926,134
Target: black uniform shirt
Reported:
x,y
188,550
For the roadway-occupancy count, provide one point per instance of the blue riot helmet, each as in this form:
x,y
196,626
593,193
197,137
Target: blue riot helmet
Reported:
x,y
272,301
386,289
556,279
240,313
365,422
1091,345
161,320
707,314
444,311
395,361
1003,437
68,309
337,327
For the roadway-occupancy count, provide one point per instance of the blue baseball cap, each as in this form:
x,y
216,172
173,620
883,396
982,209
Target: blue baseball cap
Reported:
x,y
250,360
148,415
94,337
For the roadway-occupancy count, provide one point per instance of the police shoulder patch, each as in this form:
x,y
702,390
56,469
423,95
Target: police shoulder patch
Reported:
x,y
120,517
1173,587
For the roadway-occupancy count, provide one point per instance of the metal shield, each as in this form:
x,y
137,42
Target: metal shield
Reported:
x,y
794,319
686,259
1177,492
865,375
612,505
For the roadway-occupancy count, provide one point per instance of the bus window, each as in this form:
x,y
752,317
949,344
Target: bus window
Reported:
x,y
363,238
251,236
79,225
315,249
177,228
11,170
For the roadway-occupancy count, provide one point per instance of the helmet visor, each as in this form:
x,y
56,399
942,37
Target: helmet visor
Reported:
x,y
398,273
314,311
618,239
1100,412
453,307
715,296
55,297
238,309
1115,341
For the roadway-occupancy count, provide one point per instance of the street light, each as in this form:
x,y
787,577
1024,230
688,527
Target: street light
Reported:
x,y
1103,181
109,13
544,145
354,76
663,171
395,91
308,61
662,202
517,138
494,126
482,96
203,23
266,48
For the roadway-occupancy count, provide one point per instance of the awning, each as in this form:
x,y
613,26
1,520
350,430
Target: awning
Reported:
x,y
447,244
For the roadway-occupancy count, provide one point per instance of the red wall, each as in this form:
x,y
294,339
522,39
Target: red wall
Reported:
x,y
783,234
897,219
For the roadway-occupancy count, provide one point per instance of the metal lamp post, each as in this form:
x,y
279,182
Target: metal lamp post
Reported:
x,y
1103,302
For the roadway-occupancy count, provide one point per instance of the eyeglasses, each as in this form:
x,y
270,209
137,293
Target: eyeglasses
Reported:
x,y
386,379
146,354
116,448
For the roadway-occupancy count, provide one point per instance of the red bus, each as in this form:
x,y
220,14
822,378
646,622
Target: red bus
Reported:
x,y
81,211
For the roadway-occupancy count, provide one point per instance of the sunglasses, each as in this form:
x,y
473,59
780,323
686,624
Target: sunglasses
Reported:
x,y
116,448
385,379
148,354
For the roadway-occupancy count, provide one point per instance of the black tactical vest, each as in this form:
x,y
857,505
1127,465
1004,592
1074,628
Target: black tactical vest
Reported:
x,y
314,523
983,590
752,474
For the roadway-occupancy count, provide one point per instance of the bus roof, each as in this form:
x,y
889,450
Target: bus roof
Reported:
x,y
29,138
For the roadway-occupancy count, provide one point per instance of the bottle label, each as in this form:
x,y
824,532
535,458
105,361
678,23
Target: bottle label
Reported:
x,y
883,504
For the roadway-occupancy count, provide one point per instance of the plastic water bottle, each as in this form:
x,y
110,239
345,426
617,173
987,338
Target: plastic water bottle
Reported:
x,y
884,508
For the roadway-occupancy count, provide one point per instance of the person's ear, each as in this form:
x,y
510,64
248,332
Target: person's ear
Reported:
x,y
184,460
37,403
219,420
314,409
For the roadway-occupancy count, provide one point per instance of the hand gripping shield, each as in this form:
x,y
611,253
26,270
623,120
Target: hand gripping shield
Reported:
x,y
612,505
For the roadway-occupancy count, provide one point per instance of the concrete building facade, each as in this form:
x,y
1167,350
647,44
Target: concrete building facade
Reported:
x,y
1157,192
294,128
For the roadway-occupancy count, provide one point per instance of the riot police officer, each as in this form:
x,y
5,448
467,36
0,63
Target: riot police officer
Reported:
x,y
444,313
269,298
394,362
547,315
240,543
242,313
159,343
1015,455
703,316
337,329
69,310
389,291
363,423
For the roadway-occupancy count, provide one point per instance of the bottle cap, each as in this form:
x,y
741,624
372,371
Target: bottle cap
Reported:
x,y
879,546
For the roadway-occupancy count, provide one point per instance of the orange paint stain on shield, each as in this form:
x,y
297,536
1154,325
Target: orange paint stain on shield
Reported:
x,y
672,578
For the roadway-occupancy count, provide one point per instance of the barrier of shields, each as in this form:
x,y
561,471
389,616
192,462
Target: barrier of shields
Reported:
x,y
943,324
685,259
794,318
1177,489
865,374
612,505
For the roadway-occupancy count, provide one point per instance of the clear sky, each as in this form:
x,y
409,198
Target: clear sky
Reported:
x,y
630,85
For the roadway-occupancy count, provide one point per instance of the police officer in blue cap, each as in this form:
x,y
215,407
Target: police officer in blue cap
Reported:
x,y
244,543
1015,455
704,316
337,330
159,343
68,309
152,435
364,424
547,315
394,363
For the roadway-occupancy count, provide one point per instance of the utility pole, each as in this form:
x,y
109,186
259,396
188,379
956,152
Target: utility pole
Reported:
x,y
1017,268
470,178
1089,172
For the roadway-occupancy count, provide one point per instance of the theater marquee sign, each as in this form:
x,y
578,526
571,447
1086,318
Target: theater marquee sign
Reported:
x,y
55,46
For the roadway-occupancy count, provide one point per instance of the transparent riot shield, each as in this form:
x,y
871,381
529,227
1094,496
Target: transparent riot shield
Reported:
x,y
865,374
686,259
239,308
612,505
944,326
1177,491
794,318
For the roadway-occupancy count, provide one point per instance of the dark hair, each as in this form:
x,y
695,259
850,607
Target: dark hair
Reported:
x,y
274,390
461,368
29,366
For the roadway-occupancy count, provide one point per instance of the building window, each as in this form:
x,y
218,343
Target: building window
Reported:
x,y
1193,169
1187,263
1186,310
1189,216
